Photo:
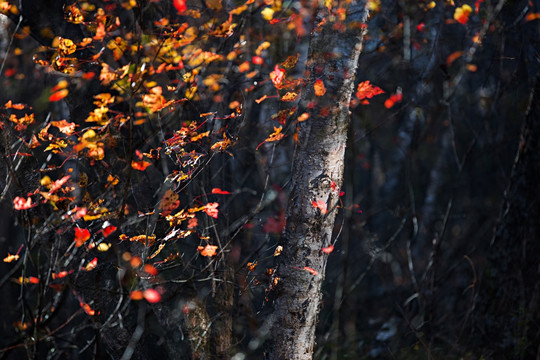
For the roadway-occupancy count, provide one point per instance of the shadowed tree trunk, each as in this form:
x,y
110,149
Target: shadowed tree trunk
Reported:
x,y
509,304
316,181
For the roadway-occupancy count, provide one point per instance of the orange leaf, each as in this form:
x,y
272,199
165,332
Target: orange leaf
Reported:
x,y
150,269
453,57
33,280
328,249
289,96
87,309
140,165
208,250
136,295
319,88
59,95
366,90
9,258
251,266
81,236
64,126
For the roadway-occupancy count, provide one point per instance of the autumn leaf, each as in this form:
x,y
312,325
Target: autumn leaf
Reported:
x,y
58,184
251,266
20,203
211,209
275,136
275,224
140,165
136,295
9,258
152,296
219,191
81,236
59,95
91,265
64,126
319,88
169,202
311,270
393,99
277,76
87,309
180,6
328,249
289,96
321,205
453,57
150,269
208,250
108,230
366,91
461,14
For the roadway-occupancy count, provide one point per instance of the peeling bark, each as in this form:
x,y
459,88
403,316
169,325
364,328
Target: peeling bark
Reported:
x,y
316,177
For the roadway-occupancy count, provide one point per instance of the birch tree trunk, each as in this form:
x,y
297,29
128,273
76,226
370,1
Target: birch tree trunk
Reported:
x,y
335,46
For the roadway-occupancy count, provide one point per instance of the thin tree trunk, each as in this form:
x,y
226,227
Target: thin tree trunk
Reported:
x,y
316,178
509,301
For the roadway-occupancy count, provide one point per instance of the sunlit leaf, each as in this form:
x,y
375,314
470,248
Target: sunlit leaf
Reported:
x,y
289,96
328,249
20,203
366,91
211,209
9,258
208,250
319,88
321,205
152,296
140,165
219,191
180,6
81,236
59,95
461,14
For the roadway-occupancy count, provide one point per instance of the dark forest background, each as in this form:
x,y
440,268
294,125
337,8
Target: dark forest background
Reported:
x,y
436,247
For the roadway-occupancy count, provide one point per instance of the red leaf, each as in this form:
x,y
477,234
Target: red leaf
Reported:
x,y
311,270
109,230
150,269
321,205
219,191
366,91
81,235
180,6
140,165
328,249
59,95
